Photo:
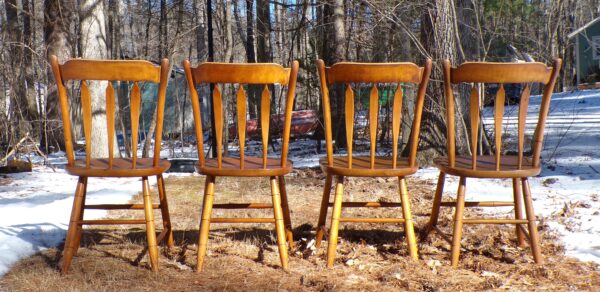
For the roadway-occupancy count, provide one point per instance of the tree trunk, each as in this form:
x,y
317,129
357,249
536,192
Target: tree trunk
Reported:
x,y
57,21
263,29
438,38
93,46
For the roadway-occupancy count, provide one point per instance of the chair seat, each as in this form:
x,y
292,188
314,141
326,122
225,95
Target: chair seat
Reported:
x,y
253,167
361,166
486,167
122,167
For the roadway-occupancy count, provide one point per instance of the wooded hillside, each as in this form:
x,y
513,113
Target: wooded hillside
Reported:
x,y
269,31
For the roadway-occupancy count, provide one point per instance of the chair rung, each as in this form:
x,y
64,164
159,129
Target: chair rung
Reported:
x,y
162,235
119,206
480,204
368,204
242,220
243,206
373,220
112,221
494,221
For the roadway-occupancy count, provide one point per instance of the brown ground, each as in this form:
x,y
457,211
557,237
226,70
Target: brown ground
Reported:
x,y
244,257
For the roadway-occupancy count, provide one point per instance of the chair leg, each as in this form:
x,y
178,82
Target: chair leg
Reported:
x,y
518,210
279,224
287,220
458,221
335,221
69,249
150,229
323,211
411,240
209,195
80,227
533,233
435,209
164,210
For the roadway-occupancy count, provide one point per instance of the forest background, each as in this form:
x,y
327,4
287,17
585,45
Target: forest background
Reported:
x,y
268,31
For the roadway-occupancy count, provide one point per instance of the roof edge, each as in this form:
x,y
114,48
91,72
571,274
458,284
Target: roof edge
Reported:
x,y
578,31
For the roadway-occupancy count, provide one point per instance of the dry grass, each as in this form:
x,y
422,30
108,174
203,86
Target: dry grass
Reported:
x,y
244,257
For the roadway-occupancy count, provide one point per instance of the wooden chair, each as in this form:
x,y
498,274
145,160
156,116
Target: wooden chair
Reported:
x,y
501,164
369,166
111,166
244,166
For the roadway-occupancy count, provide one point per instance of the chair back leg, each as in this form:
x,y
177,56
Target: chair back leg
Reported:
x,y
287,220
279,224
323,211
164,210
533,233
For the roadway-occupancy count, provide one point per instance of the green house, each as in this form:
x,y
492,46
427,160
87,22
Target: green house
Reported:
x,y
587,52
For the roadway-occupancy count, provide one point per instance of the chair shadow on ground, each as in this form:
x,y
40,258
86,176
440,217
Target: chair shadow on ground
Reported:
x,y
387,242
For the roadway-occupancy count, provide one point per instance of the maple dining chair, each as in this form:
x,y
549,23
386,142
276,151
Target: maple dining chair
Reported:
x,y
371,165
509,160
81,71
273,166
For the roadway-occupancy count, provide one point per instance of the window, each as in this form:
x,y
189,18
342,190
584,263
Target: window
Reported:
x,y
596,48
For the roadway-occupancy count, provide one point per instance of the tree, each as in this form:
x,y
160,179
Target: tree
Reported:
x,y
57,21
93,45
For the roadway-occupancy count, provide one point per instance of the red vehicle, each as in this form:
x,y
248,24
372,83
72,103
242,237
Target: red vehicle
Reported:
x,y
304,123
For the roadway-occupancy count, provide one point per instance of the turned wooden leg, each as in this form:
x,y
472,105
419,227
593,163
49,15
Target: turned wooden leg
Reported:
x,y
164,210
323,211
458,221
70,240
435,209
411,240
335,221
209,194
533,233
287,220
279,224
77,243
518,210
150,229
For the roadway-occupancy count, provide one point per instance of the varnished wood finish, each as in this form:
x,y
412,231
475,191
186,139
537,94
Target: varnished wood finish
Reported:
x,y
244,166
351,165
323,211
111,166
515,167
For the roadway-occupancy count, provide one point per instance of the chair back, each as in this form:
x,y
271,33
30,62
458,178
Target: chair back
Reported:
x,y
242,74
374,74
109,70
480,76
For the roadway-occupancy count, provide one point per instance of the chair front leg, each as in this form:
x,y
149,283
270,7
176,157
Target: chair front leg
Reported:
x,y
164,210
518,210
335,221
323,211
533,233
279,224
411,240
458,220
82,210
150,229
435,209
287,220
74,223
209,194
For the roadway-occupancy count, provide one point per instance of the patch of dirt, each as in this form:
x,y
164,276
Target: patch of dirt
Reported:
x,y
244,256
